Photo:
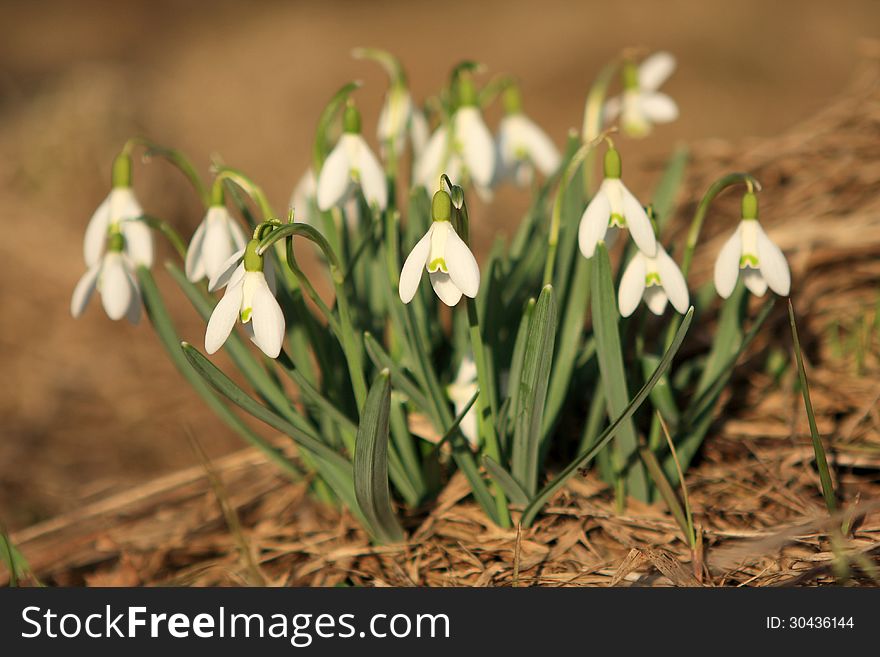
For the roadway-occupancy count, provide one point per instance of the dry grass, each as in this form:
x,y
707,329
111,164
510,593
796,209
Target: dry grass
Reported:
x,y
754,492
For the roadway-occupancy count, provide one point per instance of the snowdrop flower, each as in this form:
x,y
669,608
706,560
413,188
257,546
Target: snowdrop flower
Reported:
x,y
215,240
119,208
451,266
351,164
304,203
460,392
522,145
641,105
399,119
750,250
249,297
657,280
467,152
112,275
614,207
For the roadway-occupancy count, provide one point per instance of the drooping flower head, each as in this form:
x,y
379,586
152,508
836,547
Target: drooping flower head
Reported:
x,y
120,208
351,164
463,148
451,266
112,275
751,252
522,145
612,208
640,105
250,298
217,237
657,280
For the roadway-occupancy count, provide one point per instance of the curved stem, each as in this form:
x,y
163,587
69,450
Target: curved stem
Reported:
x,y
173,156
167,231
250,188
350,344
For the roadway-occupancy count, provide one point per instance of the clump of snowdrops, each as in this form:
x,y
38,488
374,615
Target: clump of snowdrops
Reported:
x,y
426,362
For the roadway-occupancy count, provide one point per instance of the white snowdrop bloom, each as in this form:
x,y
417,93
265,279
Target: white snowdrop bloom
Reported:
x,y
351,164
469,151
640,105
749,250
460,392
400,119
612,208
113,277
657,280
451,266
215,240
250,298
522,145
119,207
419,132
303,201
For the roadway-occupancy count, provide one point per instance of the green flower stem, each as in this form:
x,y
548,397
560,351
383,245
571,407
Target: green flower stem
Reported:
x,y
251,189
556,217
593,111
167,231
350,344
487,415
176,158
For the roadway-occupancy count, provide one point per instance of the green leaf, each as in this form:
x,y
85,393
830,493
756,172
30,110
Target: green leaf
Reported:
x,y
570,339
334,468
371,463
402,382
506,482
539,500
516,364
533,391
610,355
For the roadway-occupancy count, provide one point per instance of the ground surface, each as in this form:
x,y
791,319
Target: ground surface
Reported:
x,y
92,407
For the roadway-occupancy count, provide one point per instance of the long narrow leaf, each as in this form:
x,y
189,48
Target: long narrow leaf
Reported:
x,y
371,463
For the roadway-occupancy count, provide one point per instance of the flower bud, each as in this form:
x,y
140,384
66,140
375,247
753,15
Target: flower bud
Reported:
x,y
467,92
512,100
121,176
252,260
351,121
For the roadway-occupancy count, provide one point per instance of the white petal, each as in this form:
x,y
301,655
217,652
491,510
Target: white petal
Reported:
x,y
194,266
632,285
656,299
373,183
655,70
96,233
672,281
334,179
754,281
774,267
537,144
594,223
419,132
638,223
445,288
427,169
124,204
268,321
477,146
219,243
612,109
223,318
658,107
462,266
413,267
116,292
138,242
83,290
727,264
226,271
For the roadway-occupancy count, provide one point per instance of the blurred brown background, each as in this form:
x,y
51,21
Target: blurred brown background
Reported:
x,y
90,406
